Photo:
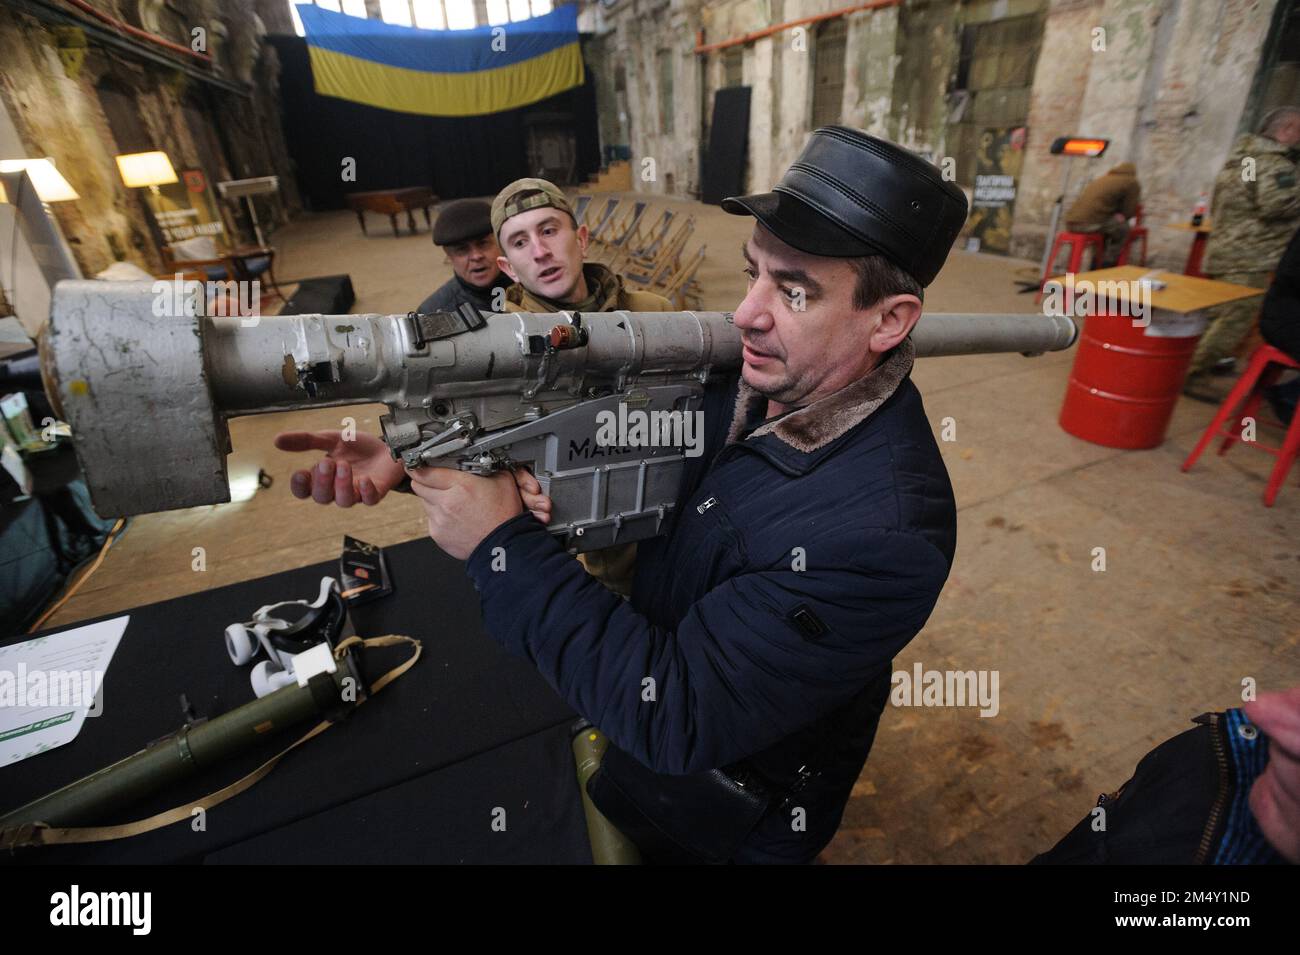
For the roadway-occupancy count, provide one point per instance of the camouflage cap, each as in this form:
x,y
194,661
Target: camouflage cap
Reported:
x,y
523,195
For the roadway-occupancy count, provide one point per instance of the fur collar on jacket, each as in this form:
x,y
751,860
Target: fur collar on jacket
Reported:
x,y
814,426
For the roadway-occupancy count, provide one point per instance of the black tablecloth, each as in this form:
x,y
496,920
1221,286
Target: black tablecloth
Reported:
x,y
416,774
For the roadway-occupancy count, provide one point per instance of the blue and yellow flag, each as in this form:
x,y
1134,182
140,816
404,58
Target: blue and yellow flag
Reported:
x,y
443,72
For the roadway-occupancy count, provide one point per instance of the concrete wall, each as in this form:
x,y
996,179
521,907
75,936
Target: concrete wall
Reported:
x,y
778,69
1168,88
871,62
1188,126
56,112
1060,83
927,54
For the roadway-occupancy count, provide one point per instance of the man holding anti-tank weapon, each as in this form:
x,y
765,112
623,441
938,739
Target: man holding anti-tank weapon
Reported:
x,y
742,683
779,571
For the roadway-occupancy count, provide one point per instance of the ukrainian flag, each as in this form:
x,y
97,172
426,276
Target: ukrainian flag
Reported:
x,y
443,72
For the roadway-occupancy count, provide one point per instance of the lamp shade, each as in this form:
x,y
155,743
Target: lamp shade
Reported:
x,y
146,169
49,184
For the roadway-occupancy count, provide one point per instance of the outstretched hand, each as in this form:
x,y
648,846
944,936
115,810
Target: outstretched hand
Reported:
x,y
357,470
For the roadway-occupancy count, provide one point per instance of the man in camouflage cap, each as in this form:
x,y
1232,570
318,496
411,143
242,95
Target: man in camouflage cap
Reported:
x,y
544,250
1256,210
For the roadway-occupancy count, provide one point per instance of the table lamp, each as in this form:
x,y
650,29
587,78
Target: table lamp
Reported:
x,y
152,169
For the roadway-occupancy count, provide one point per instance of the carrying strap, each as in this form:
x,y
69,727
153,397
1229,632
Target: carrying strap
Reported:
x,y
39,834
435,325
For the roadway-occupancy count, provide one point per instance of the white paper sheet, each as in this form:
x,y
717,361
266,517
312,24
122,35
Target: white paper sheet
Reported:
x,y
48,686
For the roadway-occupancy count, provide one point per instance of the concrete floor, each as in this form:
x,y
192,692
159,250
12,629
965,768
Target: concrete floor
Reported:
x,y
1198,594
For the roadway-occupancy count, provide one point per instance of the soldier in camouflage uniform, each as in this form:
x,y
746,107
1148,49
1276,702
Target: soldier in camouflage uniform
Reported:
x,y
1253,218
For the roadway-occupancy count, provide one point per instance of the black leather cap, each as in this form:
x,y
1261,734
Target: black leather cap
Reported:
x,y
462,220
849,194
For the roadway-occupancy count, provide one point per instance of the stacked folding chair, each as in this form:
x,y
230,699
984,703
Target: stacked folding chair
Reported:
x,y
683,290
654,259
643,247
668,271
580,205
652,270
605,219
625,230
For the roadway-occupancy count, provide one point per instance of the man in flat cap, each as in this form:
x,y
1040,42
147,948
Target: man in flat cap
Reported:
x,y
741,684
464,232
360,469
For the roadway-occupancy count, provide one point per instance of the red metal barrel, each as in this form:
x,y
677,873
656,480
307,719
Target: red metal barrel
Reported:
x,y
1125,382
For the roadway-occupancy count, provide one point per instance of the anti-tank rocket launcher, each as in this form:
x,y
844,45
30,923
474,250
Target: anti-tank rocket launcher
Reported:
x,y
147,382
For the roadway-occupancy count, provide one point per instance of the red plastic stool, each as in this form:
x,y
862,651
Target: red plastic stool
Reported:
x,y
1260,373
1139,231
1077,241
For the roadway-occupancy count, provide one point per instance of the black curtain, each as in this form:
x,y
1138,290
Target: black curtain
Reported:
x,y
724,166
456,157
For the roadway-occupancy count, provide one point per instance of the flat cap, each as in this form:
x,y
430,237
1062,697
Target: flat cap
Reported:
x,y
850,194
462,220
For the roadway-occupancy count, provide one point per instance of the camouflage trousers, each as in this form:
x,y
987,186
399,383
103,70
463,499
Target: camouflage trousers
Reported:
x,y
1229,323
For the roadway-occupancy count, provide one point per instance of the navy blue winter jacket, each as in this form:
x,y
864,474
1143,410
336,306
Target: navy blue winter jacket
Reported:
x,y
804,553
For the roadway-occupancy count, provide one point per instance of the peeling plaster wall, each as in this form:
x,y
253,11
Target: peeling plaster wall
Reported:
x,y
927,33
779,71
725,21
59,117
633,34
1182,141
1168,90
1060,83
600,59
56,112
674,165
758,74
871,61
793,121
1118,74
777,68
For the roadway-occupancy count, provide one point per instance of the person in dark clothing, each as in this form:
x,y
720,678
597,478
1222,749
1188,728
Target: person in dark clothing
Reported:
x,y
1106,205
1279,324
742,683
464,232
1224,793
